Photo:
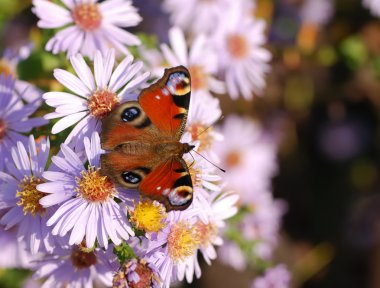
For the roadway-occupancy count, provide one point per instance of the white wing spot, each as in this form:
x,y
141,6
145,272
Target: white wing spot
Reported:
x,y
158,97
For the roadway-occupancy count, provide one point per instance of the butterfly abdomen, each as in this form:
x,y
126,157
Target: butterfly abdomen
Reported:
x,y
136,148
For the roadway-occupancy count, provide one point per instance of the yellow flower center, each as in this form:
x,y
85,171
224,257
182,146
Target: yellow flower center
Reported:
x,y
3,128
6,69
94,187
233,159
81,259
183,241
29,196
87,16
198,77
201,133
195,175
148,216
237,46
101,103
206,232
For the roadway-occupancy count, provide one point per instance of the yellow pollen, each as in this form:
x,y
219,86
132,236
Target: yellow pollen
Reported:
x,y
94,187
101,103
237,46
87,16
233,159
198,77
201,133
206,232
148,216
81,259
29,196
183,241
3,128
195,175
6,69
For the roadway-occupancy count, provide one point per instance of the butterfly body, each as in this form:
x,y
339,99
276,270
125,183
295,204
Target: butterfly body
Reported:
x,y
142,138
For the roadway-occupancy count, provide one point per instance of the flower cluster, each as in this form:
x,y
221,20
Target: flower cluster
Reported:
x,y
75,227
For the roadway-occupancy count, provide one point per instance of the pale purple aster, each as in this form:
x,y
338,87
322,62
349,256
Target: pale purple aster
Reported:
x,y
373,6
171,247
317,12
248,156
14,119
86,199
20,196
220,207
8,66
230,254
262,225
243,61
275,277
199,58
94,95
14,253
199,16
87,25
73,267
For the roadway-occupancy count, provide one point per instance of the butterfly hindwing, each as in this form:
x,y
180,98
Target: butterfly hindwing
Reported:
x,y
170,183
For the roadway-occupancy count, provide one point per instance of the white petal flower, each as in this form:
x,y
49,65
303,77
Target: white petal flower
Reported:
x,y
87,199
94,95
373,6
88,26
243,59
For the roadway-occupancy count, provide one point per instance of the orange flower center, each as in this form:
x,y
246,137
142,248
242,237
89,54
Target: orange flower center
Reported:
x,y
206,232
94,187
101,103
198,77
3,128
233,159
201,133
87,16
81,259
237,46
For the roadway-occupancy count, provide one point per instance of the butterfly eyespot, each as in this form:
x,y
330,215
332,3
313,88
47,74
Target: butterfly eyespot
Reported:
x,y
129,114
178,84
131,177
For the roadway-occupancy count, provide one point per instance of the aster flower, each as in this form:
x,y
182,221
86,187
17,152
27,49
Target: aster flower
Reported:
x,y
74,266
20,197
171,247
14,118
8,67
199,16
373,6
230,254
248,156
87,199
199,58
317,12
242,57
276,277
263,223
220,208
88,26
93,97
137,273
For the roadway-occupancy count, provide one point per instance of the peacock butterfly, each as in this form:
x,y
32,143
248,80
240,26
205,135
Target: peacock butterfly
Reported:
x,y
142,140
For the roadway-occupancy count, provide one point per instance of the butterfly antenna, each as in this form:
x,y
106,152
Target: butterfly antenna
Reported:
x,y
204,130
224,171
